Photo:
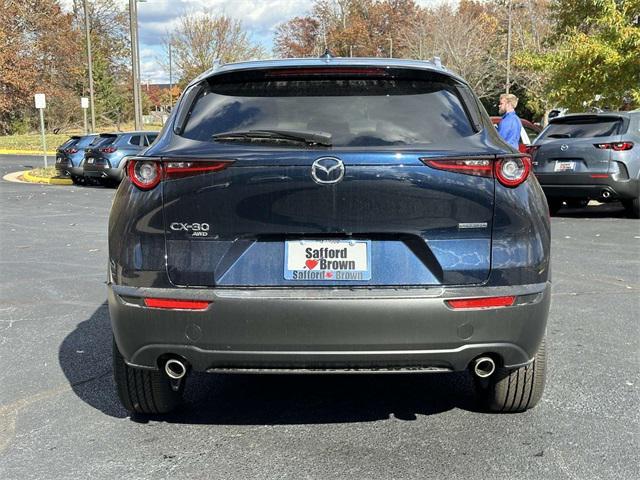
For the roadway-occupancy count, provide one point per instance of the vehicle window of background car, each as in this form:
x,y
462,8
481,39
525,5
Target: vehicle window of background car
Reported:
x,y
377,112
148,140
584,128
135,140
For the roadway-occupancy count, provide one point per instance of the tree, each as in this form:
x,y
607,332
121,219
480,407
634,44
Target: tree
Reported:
x,y
348,28
465,37
200,38
594,59
37,40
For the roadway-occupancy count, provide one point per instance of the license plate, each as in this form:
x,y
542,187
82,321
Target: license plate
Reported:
x,y
90,160
328,260
564,166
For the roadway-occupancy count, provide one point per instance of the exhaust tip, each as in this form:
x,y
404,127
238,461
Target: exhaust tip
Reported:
x,y
606,194
484,367
175,369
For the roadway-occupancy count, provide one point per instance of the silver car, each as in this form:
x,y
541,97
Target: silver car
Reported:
x,y
585,156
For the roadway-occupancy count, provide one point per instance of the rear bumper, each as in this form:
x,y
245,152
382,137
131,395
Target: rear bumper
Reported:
x,y
278,330
103,171
583,185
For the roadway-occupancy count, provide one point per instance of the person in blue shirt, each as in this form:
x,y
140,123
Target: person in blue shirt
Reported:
x,y
510,126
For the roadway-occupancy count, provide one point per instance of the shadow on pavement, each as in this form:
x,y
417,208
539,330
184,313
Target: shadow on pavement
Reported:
x,y
605,210
264,399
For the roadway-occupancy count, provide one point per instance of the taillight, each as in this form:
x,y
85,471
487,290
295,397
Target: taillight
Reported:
x,y
487,302
145,174
531,149
617,146
108,149
510,171
171,304
479,166
71,150
186,168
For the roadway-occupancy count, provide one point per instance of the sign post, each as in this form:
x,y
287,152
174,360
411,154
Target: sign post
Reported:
x,y
41,104
84,103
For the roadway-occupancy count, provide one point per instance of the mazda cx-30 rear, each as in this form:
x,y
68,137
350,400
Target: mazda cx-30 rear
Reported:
x,y
329,215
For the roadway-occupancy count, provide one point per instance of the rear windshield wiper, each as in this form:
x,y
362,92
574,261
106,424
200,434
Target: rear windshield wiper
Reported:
x,y
559,135
309,138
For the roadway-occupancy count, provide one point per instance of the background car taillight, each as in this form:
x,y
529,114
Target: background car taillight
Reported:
x,y
510,171
108,149
617,146
71,150
145,174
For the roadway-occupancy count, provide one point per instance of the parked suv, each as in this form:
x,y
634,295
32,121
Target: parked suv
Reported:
x,y
103,161
70,156
329,215
582,157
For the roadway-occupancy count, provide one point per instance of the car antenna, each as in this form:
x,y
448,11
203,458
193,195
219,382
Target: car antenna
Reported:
x,y
326,56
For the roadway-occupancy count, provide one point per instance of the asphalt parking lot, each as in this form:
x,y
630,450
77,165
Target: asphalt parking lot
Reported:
x,y
60,418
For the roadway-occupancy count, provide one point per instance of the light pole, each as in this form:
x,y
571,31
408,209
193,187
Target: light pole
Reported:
x,y
90,61
170,79
135,63
510,10
508,50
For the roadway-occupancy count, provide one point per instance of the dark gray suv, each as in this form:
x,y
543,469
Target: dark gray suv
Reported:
x,y
586,156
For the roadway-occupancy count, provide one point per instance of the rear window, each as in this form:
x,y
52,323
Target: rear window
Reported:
x,y
85,141
584,128
71,141
357,111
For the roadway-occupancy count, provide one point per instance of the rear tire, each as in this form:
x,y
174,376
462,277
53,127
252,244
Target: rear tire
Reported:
x,y
632,207
554,206
144,391
514,390
77,180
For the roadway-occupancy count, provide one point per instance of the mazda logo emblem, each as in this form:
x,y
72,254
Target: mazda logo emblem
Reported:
x,y
564,147
327,170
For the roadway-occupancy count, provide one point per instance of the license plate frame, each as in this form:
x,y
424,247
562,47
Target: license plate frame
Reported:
x,y
299,266
564,166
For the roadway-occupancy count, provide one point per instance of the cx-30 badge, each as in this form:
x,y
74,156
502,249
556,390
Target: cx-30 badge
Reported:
x,y
327,170
564,147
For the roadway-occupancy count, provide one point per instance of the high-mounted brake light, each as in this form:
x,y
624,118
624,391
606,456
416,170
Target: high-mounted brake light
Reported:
x,y
324,71
172,304
487,302
108,149
617,146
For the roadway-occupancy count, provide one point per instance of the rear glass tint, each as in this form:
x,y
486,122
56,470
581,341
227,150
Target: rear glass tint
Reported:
x,y
584,128
357,112
85,141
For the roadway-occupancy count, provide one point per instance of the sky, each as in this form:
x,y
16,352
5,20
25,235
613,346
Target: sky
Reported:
x,y
259,17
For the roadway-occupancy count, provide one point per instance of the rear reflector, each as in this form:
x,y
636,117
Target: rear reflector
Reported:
x,y
487,302
172,304
600,175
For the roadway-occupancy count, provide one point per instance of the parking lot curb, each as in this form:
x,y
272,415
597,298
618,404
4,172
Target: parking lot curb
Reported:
x,y
8,151
31,178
